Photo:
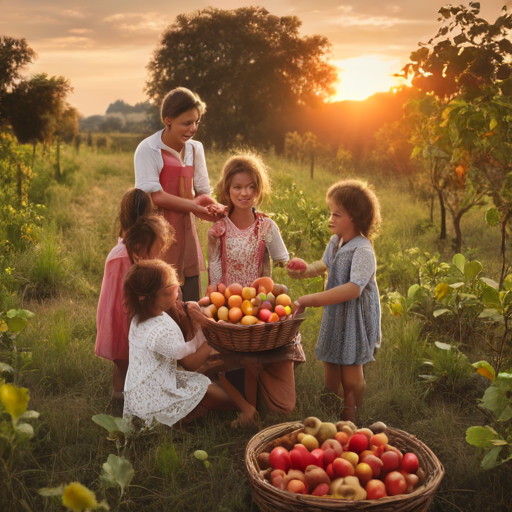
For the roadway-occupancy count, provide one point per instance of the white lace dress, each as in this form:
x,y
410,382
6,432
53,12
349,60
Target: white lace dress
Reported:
x,y
154,389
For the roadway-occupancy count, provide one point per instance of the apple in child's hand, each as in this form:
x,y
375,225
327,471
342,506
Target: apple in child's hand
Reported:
x,y
297,264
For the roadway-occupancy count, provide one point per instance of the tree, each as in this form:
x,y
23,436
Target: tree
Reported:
x,y
250,67
468,60
15,54
66,131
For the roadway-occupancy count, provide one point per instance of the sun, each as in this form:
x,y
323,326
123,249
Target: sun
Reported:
x,y
361,77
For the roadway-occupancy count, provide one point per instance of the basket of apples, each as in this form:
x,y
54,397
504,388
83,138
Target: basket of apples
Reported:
x,y
324,466
250,319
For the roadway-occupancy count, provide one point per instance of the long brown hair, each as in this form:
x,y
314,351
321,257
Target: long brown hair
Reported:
x,y
180,100
246,162
361,203
142,283
134,204
141,237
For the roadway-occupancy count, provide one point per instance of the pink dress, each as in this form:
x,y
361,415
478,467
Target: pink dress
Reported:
x,y
112,323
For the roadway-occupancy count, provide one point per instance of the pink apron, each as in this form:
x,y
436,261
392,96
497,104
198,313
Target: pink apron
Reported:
x,y
185,253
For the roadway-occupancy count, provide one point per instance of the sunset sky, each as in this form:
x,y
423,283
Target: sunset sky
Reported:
x,y
103,47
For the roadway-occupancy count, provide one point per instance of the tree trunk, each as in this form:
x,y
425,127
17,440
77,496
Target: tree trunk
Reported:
x,y
503,227
312,168
442,235
458,232
19,178
57,164
432,208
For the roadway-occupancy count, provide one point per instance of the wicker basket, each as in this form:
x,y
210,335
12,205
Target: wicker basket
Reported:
x,y
251,338
271,499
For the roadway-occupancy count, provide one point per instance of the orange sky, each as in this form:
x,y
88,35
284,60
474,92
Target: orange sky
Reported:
x,y
104,47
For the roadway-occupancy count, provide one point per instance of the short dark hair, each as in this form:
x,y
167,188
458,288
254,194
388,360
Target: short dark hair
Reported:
x,y
134,204
180,100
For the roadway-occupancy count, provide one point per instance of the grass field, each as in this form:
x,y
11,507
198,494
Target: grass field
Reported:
x,y
59,280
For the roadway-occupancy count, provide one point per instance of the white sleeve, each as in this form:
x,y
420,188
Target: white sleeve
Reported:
x,y
167,339
148,163
275,244
363,266
201,180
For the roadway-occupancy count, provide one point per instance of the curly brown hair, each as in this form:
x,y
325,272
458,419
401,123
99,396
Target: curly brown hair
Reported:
x,y
134,204
245,162
142,283
141,237
361,203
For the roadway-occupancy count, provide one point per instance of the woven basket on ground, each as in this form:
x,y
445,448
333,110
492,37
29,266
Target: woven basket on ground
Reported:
x,y
251,338
271,499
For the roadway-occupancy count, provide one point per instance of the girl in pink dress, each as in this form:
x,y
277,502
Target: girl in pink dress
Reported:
x,y
240,247
142,235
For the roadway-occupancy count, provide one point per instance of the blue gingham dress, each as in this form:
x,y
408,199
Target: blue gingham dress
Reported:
x,y
350,331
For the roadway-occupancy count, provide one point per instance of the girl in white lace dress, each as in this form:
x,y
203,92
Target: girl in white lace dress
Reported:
x,y
155,389
350,330
240,247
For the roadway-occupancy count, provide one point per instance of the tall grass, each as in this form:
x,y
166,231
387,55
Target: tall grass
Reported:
x,y
69,384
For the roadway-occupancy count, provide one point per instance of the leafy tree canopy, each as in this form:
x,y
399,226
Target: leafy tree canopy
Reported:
x,y
15,54
466,56
250,67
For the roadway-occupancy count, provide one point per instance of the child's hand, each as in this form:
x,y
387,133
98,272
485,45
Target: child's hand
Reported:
x,y
295,267
217,210
195,313
299,308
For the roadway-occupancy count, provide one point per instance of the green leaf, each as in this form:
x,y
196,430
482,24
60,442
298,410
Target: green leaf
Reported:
x,y
507,283
456,286
411,292
492,217
207,464
472,269
106,421
124,425
24,429
482,437
494,315
439,312
490,459
495,400
4,368
490,282
22,313
459,261
491,296
499,442
493,124
117,471
485,369
16,324
52,491
443,346
506,414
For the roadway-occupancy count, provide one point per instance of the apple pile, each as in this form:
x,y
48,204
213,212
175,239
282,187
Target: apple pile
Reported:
x,y
340,461
262,302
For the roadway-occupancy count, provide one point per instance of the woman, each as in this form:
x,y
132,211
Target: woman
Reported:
x,y
171,167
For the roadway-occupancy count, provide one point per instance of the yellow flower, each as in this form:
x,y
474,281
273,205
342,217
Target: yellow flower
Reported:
x,y
441,290
78,498
15,399
3,326
396,309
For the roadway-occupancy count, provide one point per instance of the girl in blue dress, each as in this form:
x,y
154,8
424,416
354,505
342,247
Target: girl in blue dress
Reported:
x,y
350,330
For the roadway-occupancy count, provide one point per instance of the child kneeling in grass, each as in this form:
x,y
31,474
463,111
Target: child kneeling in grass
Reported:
x,y
155,389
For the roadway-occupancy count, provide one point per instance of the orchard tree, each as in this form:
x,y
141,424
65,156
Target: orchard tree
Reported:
x,y
468,60
66,130
15,54
250,67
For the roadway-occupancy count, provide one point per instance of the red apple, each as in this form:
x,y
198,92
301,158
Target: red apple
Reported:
x,y
318,457
330,472
329,456
375,489
300,458
358,443
342,468
395,483
321,490
280,458
375,463
390,461
264,314
334,445
409,463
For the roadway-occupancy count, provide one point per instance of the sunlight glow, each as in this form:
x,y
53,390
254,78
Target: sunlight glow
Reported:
x,y
361,77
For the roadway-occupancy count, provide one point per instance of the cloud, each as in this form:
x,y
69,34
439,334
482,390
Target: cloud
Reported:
x,y
70,42
373,21
79,30
138,22
345,8
73,14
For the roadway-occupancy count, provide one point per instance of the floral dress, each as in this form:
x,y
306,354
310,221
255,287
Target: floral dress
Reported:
x,y
351,330
155,389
